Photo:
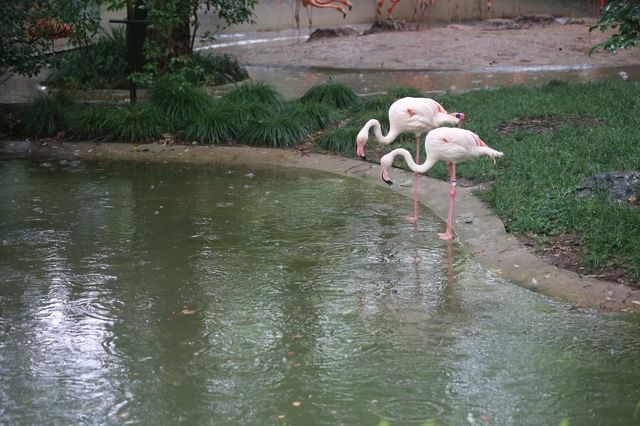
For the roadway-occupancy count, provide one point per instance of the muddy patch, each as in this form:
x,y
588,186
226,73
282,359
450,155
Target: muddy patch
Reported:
x,y
546,124
567,251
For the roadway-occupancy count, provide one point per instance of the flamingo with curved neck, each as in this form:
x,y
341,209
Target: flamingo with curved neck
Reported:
x,y
452,145
414,115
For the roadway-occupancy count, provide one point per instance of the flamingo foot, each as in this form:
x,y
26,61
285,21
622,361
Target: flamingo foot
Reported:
x,y
446,236
413,219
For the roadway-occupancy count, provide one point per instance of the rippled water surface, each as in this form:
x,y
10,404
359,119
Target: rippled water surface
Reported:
x,y
159,294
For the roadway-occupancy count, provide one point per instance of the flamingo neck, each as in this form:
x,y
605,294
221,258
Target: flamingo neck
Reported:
x,y
377,130
416,168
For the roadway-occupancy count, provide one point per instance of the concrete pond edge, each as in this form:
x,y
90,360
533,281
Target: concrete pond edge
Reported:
x,y
476,227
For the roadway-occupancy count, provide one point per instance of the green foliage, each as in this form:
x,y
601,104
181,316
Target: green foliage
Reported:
x,y
254,92
588,135
173,27
49,114
101,65
91,122
333,94
214,69
375,104
274,130
404,92
313,115
133,123
622,16
340,139
25,45
213,125
178,100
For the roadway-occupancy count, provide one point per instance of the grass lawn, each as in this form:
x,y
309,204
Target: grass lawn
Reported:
x,y
553,138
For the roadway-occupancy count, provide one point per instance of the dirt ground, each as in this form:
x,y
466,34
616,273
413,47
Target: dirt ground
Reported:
x,y
488,44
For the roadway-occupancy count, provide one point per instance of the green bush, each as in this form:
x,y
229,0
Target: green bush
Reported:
x,y
336,95
102,65
178,101
312,115
254,92
213,125
48,114
274,130
133,123
214,69
339,140
404,92
91,122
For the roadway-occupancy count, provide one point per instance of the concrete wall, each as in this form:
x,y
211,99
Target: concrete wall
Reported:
x,y
273,15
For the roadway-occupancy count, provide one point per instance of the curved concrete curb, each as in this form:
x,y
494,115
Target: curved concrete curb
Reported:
x,y
476,227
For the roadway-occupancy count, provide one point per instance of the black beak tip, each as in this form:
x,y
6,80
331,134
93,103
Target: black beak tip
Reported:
x,y
363,158
388,182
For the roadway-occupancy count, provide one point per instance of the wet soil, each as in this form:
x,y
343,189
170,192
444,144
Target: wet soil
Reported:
x,y
483,45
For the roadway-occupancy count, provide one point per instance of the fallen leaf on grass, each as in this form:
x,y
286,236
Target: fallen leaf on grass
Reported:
x,y
188,311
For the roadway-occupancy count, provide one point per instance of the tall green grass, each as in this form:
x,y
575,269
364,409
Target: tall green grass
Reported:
x,y
336,95
49,114
179,101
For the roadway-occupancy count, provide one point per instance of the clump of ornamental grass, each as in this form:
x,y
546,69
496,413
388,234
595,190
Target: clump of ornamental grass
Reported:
x,y
341,139
48,114
254,92
404,92
133,123
275,130
313,115
178,100
336,95
213,125
91,122
374,104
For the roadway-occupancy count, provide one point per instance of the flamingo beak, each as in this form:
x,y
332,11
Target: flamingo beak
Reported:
x,y
360,152
460,116
384,174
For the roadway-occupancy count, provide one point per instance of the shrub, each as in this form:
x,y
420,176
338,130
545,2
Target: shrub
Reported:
x,y
214,69
178,100
336,95
102,65
133,123
375,104
213,125
274,130
341,139
49,114
404,92
254,92
91,122
312,115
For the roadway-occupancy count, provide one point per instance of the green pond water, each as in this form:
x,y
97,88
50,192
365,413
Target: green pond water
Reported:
x,y
168,294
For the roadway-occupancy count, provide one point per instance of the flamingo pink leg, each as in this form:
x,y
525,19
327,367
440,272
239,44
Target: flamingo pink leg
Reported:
x,y
416,183
452,197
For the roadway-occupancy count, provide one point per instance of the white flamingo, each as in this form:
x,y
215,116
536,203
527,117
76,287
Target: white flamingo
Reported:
x,y
412,115
451,145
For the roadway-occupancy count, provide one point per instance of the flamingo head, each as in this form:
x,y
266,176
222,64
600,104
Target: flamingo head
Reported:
x,y
361,141
460,117
385,164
